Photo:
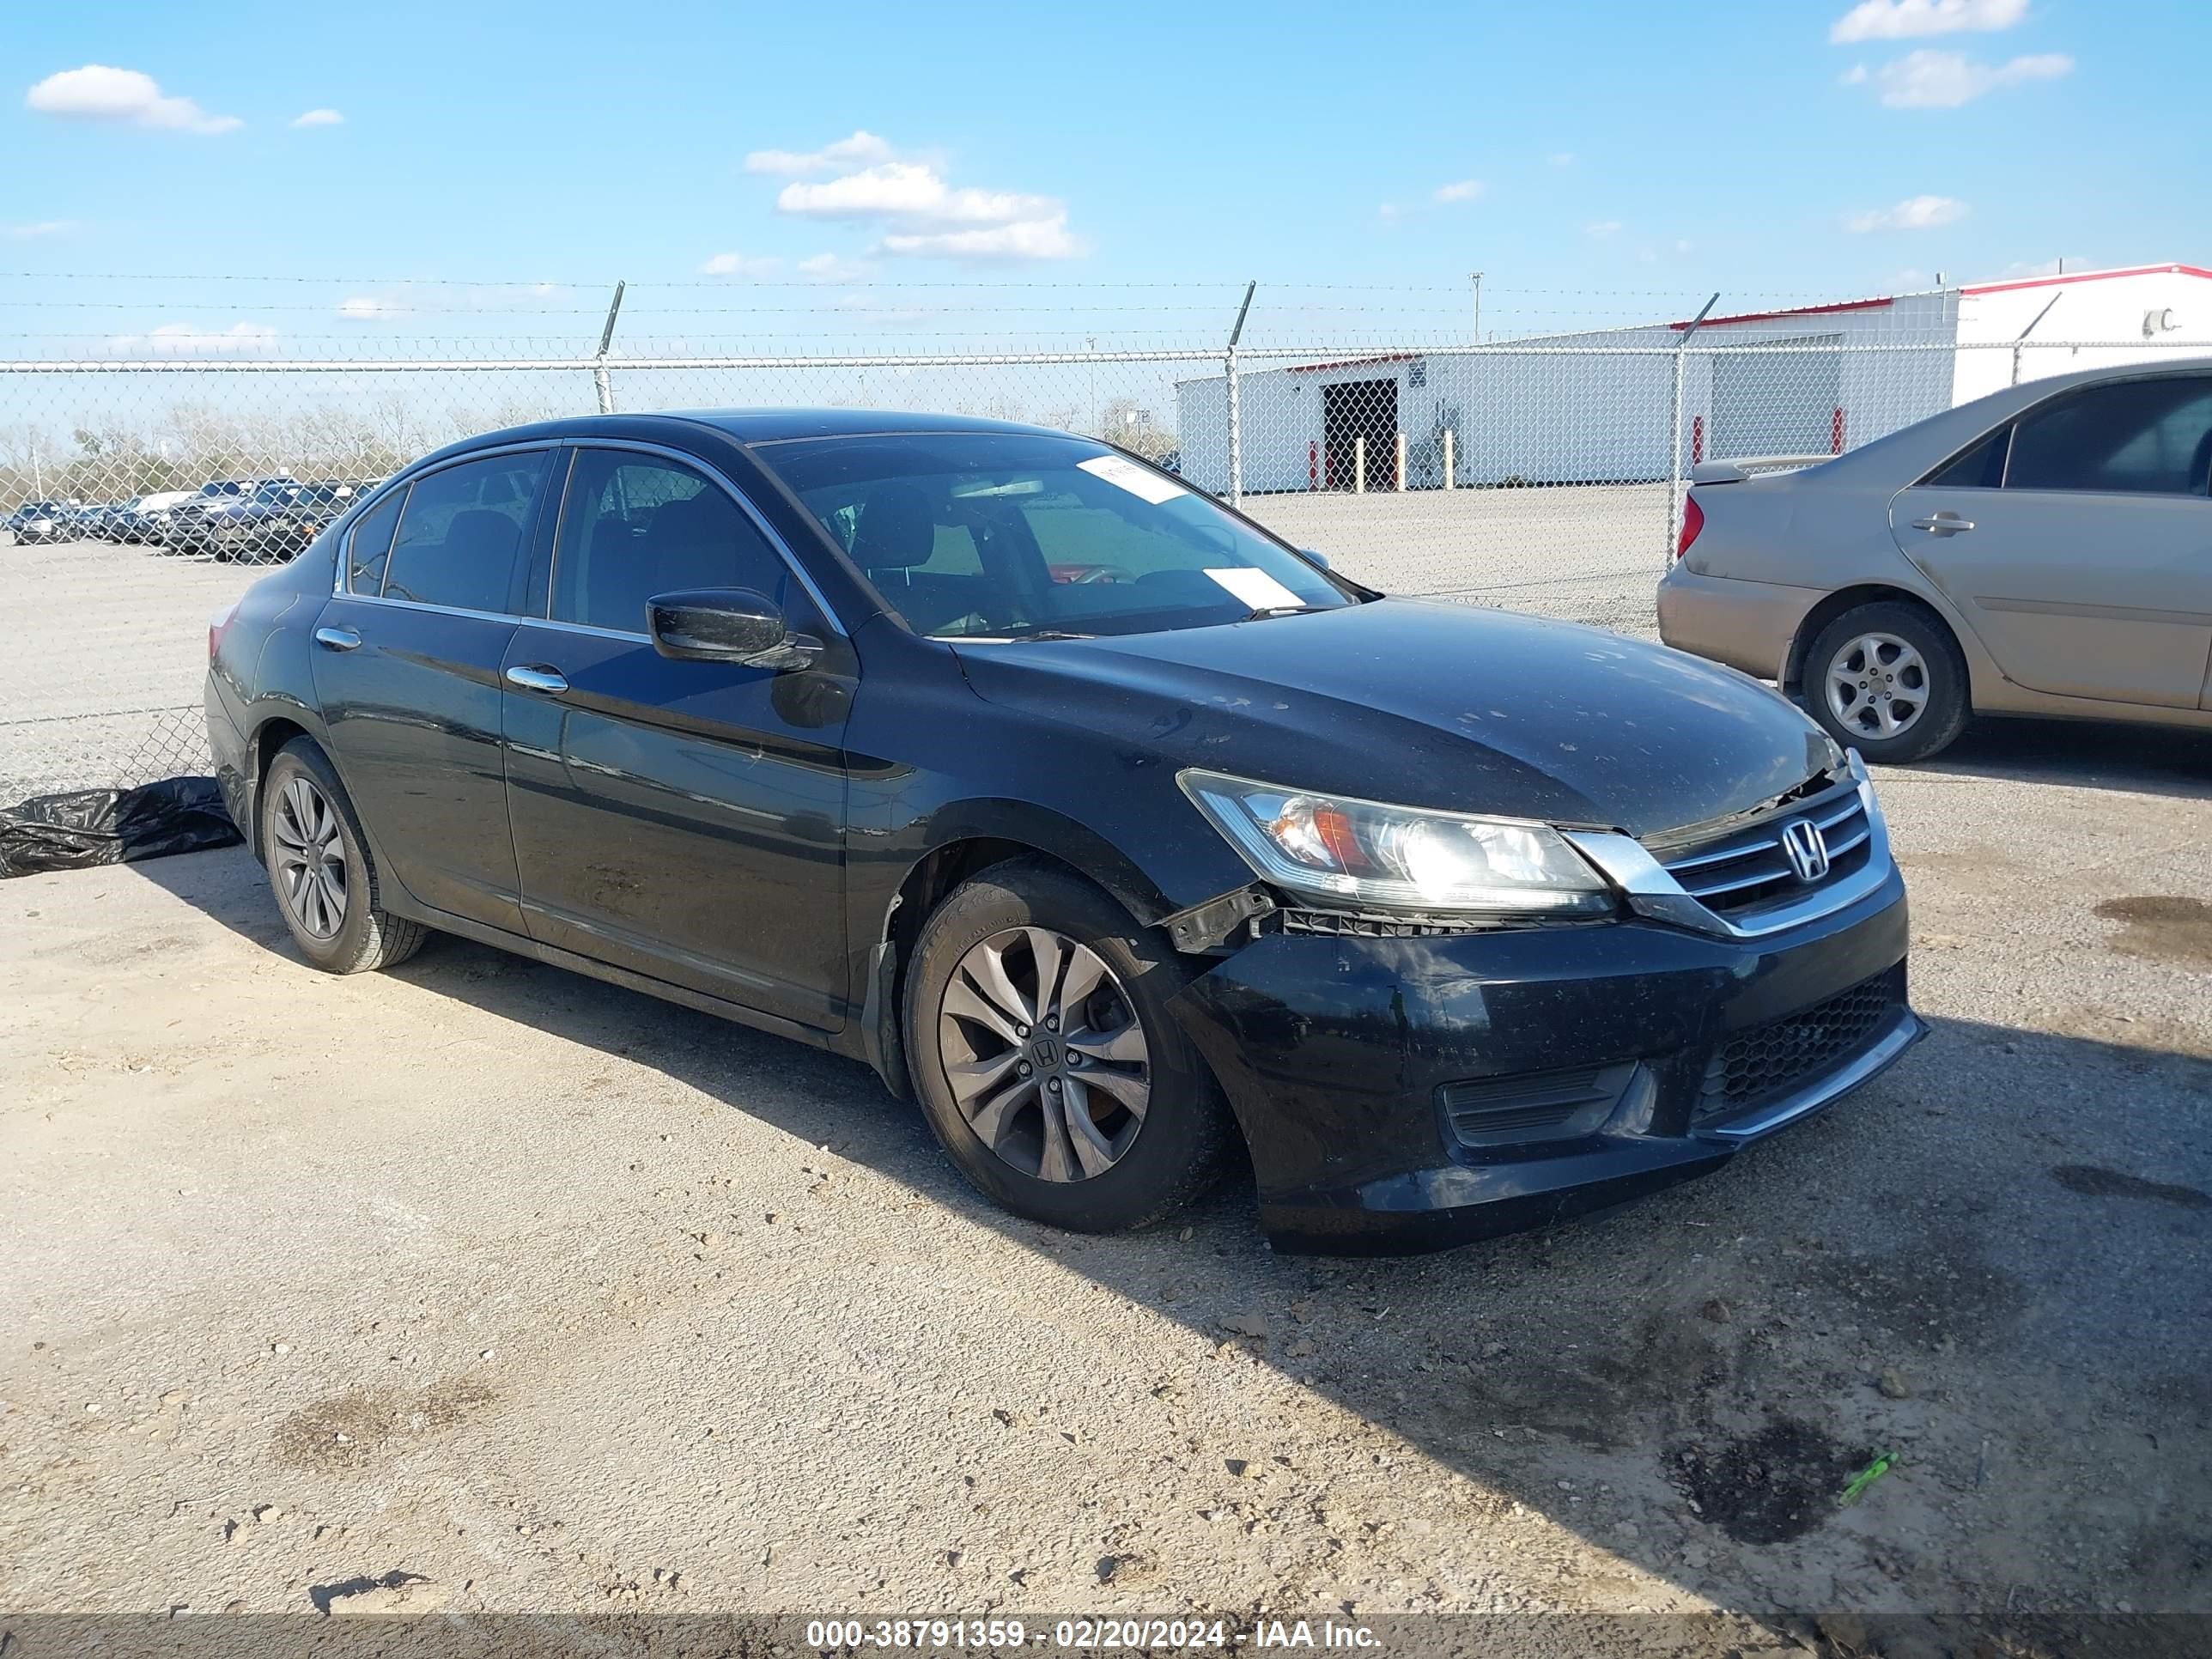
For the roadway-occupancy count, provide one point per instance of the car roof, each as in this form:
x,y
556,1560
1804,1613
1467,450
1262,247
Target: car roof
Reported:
x,y
749,426
1911,450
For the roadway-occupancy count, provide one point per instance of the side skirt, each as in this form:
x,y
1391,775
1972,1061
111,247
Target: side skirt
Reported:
x,y
849,1043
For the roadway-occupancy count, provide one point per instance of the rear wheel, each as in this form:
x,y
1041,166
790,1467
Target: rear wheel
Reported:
x,y
1047,1061
319,865
1888,680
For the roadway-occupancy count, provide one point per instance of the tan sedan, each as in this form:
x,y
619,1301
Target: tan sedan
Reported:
x,y
2043,550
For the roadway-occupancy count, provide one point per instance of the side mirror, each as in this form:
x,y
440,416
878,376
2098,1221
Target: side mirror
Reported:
x,y
1316,556
725,624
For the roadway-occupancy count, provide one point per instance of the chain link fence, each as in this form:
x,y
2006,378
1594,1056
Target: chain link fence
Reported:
x,y
141,491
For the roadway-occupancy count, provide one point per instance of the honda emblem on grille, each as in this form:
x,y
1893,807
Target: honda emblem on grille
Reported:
x,y
1807,849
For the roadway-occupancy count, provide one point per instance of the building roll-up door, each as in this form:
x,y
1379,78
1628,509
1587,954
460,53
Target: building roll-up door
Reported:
x,y
1770,402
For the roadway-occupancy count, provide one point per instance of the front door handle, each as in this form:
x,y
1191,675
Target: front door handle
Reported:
x,y
550,681
336,639
1943,524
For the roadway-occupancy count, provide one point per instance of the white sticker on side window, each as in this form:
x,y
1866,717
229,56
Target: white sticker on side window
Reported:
x,y
1127,475
1255,588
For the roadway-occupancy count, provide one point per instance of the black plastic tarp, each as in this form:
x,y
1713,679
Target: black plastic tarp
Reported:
x,y
91,827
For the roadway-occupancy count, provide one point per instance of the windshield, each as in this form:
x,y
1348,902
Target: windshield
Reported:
x,y
271,494
999,535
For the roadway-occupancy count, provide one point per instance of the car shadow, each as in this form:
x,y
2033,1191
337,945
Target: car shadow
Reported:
x,y
1979,1262
2162,760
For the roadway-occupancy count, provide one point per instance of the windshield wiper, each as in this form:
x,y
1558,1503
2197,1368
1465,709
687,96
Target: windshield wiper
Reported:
x,y
1261,613
1045,633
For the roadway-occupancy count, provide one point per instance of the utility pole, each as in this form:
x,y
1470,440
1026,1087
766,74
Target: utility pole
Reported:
x,y
1478,306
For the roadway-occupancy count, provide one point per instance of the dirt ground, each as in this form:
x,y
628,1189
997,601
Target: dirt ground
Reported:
x,y
549,1296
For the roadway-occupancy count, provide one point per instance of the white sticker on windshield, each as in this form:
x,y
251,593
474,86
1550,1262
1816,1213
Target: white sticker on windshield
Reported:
x,y
1138,481
1256,588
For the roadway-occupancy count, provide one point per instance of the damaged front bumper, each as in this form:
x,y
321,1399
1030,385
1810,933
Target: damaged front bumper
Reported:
x,y
1416,1090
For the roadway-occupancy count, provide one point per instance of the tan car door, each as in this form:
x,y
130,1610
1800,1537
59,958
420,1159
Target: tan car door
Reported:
x,y
2077,543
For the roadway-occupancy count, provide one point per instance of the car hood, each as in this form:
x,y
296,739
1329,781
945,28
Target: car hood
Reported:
x,y
1428,704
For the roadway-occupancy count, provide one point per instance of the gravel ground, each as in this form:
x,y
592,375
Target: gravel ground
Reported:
x,y
107,646
556,1298
101,685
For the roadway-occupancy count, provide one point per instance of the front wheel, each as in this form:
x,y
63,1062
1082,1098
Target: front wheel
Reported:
x,y
1045,1059
1888,680
319,864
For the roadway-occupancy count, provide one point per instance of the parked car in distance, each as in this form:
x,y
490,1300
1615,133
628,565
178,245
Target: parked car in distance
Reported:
x,y
269,525
1094,818
144,518
219,505
37,522
2046,550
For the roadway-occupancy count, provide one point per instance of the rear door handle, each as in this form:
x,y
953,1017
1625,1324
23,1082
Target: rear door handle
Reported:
x,y
1943,524
336,639
550,681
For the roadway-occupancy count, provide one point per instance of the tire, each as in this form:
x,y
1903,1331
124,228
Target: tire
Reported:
x,y
1887,664
1125,1170
307,823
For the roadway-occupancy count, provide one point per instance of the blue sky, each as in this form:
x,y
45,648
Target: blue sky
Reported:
x,y
1598,160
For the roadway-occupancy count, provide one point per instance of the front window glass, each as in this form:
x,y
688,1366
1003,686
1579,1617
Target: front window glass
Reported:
x,y
997,535
636,526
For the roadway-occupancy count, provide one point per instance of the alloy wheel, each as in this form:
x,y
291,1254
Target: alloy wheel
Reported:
x,y
1045,1054
1877,686
311,860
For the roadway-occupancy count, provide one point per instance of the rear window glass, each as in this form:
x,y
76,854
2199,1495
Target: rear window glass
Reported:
x,y
2141,437
1980,466
370,545
460,531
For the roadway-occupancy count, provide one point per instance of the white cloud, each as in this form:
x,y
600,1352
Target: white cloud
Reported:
x,y
910,190
1389,213
319,117
363,307
190,340
1602,227
1914,213
1856,76
922,215
1927,79
862,149
1902,19
41,227
738,264
98,92
1461,190
1024,239
1564,158
832,268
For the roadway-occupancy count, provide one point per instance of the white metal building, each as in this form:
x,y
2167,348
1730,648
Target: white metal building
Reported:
x,y
1598,407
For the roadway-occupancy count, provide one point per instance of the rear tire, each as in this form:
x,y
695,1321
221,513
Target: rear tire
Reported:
x,y
1888,680
1133,1126
319,865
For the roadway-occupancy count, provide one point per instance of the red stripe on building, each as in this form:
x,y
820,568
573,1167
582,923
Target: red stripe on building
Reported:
x,y
2089,277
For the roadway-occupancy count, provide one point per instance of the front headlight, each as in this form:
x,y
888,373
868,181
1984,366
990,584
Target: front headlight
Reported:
x,y
1367,853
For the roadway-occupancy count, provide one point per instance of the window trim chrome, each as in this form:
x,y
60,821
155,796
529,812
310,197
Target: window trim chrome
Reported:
x,y
1652,889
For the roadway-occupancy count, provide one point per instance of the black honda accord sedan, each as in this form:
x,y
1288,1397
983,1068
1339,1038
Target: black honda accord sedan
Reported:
x,y
1095,818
